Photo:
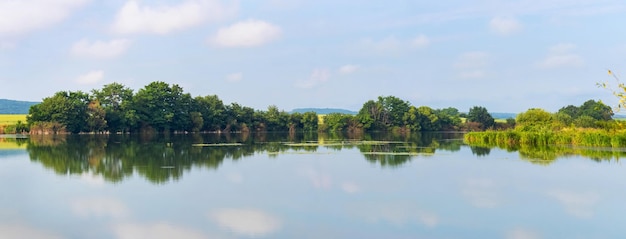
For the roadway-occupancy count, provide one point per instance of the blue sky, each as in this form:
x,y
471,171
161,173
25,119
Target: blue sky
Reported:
x,y
508,56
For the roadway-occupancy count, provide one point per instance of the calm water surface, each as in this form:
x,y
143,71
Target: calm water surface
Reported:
x,y
305,186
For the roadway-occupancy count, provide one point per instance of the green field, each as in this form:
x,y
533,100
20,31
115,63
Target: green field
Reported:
x,y
11,119
320,119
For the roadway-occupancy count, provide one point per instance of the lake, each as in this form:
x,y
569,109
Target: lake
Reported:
x,y
305,186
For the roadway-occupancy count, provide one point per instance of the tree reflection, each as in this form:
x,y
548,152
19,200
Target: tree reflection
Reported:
x,y
547,154
164,158
480,151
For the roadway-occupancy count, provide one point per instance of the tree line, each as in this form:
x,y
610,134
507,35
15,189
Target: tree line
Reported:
x,y
161,107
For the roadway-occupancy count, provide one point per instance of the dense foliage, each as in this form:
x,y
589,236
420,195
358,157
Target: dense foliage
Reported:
x,y
590,124
161,107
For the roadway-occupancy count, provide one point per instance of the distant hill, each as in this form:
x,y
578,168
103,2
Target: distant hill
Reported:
x,y
497,115
323,111
15,107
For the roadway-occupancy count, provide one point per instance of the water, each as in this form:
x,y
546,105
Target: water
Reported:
x,y
323,186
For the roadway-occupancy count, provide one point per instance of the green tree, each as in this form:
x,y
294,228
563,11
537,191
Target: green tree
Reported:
x,y
534,119
162,107
592,108
449,118
428,119
480,115
386,112
412,119
370,115
338,121
238,117
597,110
197,121
115,99
309,121
394,109
275,119
213,112
65,107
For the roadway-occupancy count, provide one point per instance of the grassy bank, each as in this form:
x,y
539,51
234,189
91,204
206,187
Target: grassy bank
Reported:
x,y
574,137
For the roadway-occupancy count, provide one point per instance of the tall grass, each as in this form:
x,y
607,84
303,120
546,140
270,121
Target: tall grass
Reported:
x,y
575,137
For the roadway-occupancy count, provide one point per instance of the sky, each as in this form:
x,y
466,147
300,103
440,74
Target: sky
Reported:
x,y
507,56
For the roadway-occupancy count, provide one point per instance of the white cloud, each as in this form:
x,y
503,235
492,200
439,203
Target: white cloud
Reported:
x,y
505,26
472,65
100,49
159,230
420,41
234,77
90,78
100,207
561,55
318,76
249,33
576,204
348,69
23,16
164,19
246,222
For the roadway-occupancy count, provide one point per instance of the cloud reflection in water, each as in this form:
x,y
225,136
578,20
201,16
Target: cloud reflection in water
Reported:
x,y
246,222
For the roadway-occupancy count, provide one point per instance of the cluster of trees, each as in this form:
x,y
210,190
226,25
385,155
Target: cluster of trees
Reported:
x,y
391,113
591,114
160,107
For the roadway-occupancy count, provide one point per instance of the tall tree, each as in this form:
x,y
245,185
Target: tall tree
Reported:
x,y
64,107
386,112
480,115
309,121
162,107
115,99
212,110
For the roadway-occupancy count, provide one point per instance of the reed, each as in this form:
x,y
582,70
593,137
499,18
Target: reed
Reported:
x,y
575,137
